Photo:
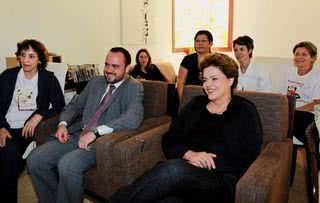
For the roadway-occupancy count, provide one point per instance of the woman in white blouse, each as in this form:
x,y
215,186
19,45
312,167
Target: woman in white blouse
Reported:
x,y
251,76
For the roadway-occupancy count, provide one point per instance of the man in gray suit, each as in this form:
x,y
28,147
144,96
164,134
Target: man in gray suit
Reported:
x,y
109,103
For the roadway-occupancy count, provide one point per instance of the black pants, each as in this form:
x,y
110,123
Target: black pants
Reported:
x,y
176,181
302,119
11,165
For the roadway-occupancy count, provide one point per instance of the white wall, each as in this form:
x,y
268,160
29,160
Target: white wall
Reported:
x,y
83,31
277,26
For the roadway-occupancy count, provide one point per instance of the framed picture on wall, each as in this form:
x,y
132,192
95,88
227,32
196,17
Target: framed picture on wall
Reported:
x,y
190,16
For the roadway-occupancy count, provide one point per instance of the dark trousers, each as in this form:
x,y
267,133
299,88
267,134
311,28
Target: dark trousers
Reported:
x,y
178,181
11,165
302,119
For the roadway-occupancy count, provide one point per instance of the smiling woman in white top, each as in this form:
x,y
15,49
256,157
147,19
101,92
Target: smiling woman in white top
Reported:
x,y
251,76
303,81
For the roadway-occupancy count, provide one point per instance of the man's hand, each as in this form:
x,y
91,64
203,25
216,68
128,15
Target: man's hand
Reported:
x,y
86,139
62,134
30,126
200,159
4,135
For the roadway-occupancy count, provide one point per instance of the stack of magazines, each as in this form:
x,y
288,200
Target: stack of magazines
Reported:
x,y
81,73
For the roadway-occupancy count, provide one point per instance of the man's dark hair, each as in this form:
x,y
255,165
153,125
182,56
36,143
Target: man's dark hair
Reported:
x,y
125,53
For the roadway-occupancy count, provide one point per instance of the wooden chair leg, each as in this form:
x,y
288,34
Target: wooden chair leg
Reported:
x,y
312,137
312,179
293,163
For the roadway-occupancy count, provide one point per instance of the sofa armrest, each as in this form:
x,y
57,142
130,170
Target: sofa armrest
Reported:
x,y
104,144
106,157
46,128
136,155
267,179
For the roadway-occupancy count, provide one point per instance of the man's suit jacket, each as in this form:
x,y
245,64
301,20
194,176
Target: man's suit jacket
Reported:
x,y
124,109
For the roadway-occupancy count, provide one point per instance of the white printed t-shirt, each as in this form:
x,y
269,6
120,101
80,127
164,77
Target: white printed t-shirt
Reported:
x,y
306,87
23,102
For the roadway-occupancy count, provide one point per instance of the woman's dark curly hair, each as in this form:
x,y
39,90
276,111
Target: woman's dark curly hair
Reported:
x,y
38,47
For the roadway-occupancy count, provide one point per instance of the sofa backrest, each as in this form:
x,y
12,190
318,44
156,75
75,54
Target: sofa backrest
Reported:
x,y
273,112
272,109
155,98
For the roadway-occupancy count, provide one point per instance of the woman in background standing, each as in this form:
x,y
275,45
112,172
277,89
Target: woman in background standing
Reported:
x,y
189,71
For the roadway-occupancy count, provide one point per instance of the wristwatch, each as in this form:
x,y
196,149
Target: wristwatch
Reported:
x,y
96,132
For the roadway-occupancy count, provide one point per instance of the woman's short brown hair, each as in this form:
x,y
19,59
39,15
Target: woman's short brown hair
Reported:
x,y
312,49
244,41
224,63
38,47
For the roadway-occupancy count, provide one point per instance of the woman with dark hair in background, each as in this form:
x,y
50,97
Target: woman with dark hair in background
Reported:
x,y
28,94
210,145
251,76
189,71
144,69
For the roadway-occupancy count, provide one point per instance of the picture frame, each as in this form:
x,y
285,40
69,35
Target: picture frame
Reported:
x,y
190,16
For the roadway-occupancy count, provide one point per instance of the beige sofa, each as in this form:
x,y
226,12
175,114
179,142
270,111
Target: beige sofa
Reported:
x,y
267,179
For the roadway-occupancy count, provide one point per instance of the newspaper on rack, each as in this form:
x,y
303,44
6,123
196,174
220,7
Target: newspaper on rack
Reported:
x,y
83,72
